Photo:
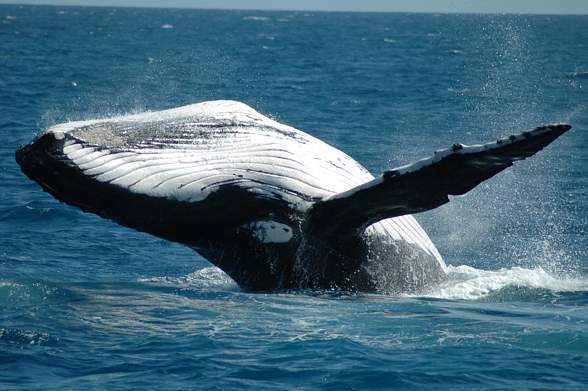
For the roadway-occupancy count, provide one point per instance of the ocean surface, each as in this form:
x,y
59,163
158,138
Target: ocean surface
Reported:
x,y
87,304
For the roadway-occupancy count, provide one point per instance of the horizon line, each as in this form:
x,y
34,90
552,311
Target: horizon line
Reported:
x,y
294,10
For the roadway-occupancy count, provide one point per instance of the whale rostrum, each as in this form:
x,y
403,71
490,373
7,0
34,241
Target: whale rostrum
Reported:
x,y
272,206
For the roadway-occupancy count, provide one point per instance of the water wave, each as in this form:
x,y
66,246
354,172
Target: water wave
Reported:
x,y
463,283
34,212
257,18
27,337
208,277
579,75
469,283
15,294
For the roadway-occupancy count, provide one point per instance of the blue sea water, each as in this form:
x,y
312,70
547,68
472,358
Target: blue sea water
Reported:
x,y
87,304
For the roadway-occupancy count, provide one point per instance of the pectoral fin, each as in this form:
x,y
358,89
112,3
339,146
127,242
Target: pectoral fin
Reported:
x,y
426,184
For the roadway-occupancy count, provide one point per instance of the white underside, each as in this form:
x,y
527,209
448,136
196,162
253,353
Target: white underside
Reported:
x,y
256,153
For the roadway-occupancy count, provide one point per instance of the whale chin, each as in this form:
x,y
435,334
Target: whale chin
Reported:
x,y
272,206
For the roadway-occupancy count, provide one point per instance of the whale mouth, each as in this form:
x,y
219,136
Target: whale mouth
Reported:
x,y
44,161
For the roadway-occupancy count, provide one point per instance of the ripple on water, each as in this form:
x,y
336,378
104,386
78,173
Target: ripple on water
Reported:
x,y
36,212
32,293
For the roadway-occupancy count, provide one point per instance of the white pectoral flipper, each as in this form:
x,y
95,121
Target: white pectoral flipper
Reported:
x,y
426,184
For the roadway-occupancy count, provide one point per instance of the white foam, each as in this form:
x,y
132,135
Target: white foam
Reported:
x,y
208,277
257,18
10,284
468,283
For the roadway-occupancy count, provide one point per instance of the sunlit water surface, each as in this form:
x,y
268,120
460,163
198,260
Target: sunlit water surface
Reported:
x,y
85,303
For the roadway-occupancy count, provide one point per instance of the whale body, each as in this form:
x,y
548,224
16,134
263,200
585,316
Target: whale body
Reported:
x,y
270,205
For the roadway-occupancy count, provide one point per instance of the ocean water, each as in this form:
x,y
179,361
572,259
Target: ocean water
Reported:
x,y
87,304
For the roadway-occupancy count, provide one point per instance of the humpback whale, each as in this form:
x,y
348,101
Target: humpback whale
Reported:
x,y
270,205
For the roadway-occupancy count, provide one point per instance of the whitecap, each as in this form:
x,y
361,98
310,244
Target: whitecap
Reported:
x,y
258,18
167,26
389,40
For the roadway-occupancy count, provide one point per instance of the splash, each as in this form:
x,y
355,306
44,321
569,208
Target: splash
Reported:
x,y
206,278
521,217
510,96
468,283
